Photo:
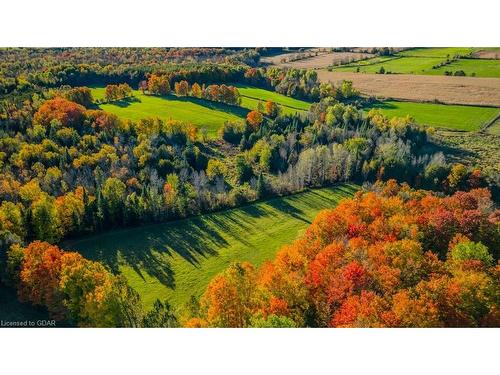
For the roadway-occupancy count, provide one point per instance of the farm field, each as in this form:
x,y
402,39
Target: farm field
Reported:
x,y
402,65
477,67
487,53
176,260
451,90
453,117
322,60
422,61
438,52
200,112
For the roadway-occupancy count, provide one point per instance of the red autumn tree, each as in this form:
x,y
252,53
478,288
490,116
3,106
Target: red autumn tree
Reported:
x,y
40,275
393,257
69,114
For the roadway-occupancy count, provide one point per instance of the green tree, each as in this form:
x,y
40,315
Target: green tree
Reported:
x,y
44,220
160,316
464,251
243,169
272,321
216,168
114,194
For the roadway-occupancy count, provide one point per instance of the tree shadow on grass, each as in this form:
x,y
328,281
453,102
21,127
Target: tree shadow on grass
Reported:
x,y
124,103
381,105
216,106
283,205
150,248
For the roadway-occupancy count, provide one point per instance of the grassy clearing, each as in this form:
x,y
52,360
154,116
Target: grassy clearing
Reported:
x,y
178,259
252,95
405,65
480,68
438,52
453,117
202,113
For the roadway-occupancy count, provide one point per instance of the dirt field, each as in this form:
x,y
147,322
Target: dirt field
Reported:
x,y
322,60
487,54
452,90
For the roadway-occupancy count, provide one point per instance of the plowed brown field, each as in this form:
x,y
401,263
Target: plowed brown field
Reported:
x,y
451,90
322,60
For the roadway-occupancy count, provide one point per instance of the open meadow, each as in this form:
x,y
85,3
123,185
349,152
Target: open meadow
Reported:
x,y
400,65
453,117
438,52
471,67
177,259
202,113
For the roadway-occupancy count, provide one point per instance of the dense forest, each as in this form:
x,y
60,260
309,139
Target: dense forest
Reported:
x,y
392,256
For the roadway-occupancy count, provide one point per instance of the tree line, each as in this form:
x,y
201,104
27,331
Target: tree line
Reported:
x,y
160,85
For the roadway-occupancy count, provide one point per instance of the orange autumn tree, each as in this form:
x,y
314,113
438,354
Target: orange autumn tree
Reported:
x,y
390,257
255,118
39,277
158,84
69,114
272,109
72,287
181,88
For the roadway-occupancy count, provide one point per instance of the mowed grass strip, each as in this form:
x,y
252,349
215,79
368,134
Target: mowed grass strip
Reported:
x,y
199,112
453,117
178,259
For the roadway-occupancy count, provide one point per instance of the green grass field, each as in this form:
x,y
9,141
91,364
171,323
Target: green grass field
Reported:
x,y
453,117
178,259
480,67
250,97
403,65
438,52
202,113
421,61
